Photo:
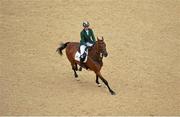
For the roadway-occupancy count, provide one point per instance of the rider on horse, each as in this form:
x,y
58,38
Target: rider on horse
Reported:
x,y
87,39
98,50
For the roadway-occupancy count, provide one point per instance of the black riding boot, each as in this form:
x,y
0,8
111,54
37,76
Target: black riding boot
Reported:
x,y
81,63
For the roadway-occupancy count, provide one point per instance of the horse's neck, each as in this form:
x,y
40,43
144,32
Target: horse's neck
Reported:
x,y
94,53
94,50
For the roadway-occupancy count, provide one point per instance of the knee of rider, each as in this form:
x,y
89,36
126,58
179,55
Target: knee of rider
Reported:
x,y
82,48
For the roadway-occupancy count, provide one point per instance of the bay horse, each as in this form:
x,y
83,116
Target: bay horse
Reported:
x,y
94,61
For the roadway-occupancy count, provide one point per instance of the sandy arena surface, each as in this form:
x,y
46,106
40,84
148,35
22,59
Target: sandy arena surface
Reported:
x,y
143,66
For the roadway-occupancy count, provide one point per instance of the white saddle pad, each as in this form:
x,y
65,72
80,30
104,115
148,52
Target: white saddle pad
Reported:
x,y
77,56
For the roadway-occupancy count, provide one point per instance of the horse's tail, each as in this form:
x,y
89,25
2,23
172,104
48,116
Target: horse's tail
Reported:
x,y
62,47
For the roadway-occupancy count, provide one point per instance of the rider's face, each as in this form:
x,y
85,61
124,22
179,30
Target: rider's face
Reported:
x,y
86,28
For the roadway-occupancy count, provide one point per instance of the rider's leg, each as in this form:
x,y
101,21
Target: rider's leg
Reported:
x,y
82,50
89,44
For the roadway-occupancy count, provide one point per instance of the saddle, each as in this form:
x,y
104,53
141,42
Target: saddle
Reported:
x,y
85,55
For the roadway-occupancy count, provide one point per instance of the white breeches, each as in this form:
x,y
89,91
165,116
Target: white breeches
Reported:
x,y
83,47
89,44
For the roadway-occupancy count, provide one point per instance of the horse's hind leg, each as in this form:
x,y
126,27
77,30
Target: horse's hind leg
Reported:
x,y
74,68
97,81
75,74
80,68
106,83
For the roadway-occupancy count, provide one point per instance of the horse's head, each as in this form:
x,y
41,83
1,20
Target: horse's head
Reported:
x,y
101,46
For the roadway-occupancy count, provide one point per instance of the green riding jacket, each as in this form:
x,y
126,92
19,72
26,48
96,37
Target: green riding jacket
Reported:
x,y
87,38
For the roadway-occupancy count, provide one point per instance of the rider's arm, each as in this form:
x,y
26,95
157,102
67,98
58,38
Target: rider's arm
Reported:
x,y
94,40
82,39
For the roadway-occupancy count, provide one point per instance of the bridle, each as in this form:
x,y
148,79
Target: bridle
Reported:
x,y
99,50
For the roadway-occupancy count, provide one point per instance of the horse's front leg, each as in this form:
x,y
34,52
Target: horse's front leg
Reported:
x,y
105,82
97,81
96,68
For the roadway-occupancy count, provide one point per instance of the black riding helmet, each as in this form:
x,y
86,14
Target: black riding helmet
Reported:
x,y
85,24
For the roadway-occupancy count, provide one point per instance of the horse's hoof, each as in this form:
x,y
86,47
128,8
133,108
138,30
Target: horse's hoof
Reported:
x,y
99,85
76,76
78,79
112,93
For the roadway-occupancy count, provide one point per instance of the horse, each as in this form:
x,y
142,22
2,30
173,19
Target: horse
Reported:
x,y
94,61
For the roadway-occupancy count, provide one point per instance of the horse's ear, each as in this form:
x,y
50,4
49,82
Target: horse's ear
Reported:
x,y
98,38
102,38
